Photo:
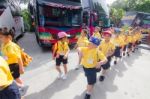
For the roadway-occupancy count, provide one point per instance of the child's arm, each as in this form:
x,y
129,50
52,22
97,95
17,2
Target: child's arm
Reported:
x,y
101,63
21,68
103,59
68,50
80,55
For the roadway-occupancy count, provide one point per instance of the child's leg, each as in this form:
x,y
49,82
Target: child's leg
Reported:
x,y
58,69
65,62
89,88
65,69
105,68
19,82
58,63
91,79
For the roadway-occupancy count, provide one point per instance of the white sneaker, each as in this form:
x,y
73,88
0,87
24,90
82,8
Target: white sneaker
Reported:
x,y
64,77
60,75
23,90
77,67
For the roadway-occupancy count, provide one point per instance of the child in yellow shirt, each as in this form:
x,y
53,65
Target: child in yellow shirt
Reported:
x,y
61,49
91,59
8,88
12,54
83,40
107,48
125,39
119,43
129,37
97,33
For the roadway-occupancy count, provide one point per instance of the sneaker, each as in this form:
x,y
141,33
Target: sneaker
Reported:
x,y
128,54
124,54
64,77
60,75
87,96
78,67
115,62
101,78
23,90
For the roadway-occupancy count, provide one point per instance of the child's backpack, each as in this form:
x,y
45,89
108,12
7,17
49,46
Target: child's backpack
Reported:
x,y
26,59
55,49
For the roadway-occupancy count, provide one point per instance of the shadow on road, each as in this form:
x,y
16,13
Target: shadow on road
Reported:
x,y
56,86
101,88
130,60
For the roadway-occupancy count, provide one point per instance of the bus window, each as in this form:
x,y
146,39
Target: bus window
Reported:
x,y
76,18
75,0
86,18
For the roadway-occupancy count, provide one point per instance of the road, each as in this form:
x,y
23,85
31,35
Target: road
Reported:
x,y
129,79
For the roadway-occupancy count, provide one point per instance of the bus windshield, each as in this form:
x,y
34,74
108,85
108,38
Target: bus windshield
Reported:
x,y
60,16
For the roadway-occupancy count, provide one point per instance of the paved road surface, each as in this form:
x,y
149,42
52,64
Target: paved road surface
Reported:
x,y
129,79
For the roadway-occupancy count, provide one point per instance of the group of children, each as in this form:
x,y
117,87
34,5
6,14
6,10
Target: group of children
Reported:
x,y
11,67
95,54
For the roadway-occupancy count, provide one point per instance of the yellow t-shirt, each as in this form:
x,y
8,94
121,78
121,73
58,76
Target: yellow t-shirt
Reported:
x,y
124,39
90,57
106,47
139,36
118,42
82,42
134,38
97,35
129,38
12,52
61,47
5,75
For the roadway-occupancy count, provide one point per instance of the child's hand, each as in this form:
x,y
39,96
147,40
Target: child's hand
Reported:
x,y
57,56
53,58
98,66
65,57
21,70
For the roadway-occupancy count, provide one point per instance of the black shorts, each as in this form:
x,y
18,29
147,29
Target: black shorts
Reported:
x,y
91,75
107,65
125,47
130,45
61,60
137,42
117,52
10,92
14,68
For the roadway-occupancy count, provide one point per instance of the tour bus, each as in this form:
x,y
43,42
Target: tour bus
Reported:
x,y
52,16
143,20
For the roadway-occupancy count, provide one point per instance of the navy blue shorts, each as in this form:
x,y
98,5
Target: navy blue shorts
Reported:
x,y
117,52
130,45
125,47
107,65
10,92
14,68
91,75
61,60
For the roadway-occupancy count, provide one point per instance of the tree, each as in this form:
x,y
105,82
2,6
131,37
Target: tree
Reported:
x,y
27,19
130,5
116,15
144,7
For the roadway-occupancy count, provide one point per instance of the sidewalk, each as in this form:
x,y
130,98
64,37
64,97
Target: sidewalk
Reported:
x,y
129,79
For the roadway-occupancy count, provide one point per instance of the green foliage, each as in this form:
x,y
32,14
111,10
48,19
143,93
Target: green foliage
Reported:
x,y
116,15
128,5
27,19
144,7
125,28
